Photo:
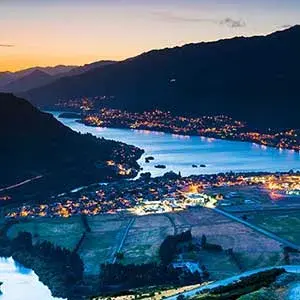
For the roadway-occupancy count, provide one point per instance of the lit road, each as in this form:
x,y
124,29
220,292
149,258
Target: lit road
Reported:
x,y
123,240
230,280
21,183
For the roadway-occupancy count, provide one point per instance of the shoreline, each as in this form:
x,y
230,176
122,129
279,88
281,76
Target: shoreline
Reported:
x,y
79,118
191,134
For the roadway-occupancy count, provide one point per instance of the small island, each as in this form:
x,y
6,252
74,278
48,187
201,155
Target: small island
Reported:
x,y
160,167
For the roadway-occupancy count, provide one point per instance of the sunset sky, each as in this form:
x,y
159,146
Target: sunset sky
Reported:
x,y
42,32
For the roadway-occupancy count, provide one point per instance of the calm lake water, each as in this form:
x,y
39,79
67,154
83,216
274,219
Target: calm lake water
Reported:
x,y
179,153
20,283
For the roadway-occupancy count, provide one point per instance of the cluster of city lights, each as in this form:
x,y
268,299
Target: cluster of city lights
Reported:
x,y
222,127
158,195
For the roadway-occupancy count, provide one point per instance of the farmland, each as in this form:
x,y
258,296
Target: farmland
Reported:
x,y
250,248
100,245
145,237
285,224
138,238
61,232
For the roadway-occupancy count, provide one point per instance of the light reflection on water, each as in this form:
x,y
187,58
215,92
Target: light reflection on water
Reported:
x,y
180,152
20,283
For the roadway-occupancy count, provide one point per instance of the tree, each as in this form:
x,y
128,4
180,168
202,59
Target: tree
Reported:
x,y
119,255
203,240
22,242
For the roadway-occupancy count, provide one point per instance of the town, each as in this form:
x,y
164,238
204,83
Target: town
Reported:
x,y
94,113
165,194
221,127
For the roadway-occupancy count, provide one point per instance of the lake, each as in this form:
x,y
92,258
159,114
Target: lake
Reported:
x,y
179,153
20,283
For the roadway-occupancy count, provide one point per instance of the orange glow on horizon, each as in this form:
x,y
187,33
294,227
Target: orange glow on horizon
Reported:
x,y
17,62
50,33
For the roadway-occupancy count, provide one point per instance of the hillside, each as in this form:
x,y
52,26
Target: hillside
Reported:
x,y
24,80
89,67
6,78
36,144
35,79
254,79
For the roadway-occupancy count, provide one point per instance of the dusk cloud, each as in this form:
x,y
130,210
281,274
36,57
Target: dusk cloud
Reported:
x,y
169,17
233,23
6,45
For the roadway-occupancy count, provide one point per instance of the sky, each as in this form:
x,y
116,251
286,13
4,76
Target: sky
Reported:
x,y
76,32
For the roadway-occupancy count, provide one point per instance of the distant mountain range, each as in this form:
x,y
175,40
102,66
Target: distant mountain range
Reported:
x,y
34,79
22,81
34,143
255,79
7,78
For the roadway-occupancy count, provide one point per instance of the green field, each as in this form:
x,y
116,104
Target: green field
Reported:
x,y
219,264
145,237
283,224
59,231
256,260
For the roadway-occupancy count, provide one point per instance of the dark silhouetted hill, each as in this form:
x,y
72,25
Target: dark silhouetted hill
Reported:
x,y
89,67
24,80
35,143
6,78
255,79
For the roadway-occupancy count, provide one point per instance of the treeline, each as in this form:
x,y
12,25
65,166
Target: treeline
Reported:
x,y
208,246
286,254
134,276
58,268
169,246
118,276
243,286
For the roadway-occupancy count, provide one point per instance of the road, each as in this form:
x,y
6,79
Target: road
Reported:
x,y
264,209
114,259
21,183
230,280
258,229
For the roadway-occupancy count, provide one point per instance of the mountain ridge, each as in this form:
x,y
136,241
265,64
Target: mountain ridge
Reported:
x,y
27,82
27,79
246,78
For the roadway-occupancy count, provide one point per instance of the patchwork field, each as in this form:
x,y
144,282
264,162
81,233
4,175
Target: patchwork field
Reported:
x,y
62,232
283,224
139,239
145,237
101,244
250,248
219,264
227,233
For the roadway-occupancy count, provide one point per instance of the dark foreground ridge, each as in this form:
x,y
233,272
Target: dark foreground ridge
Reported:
x,y
253,79
42,155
